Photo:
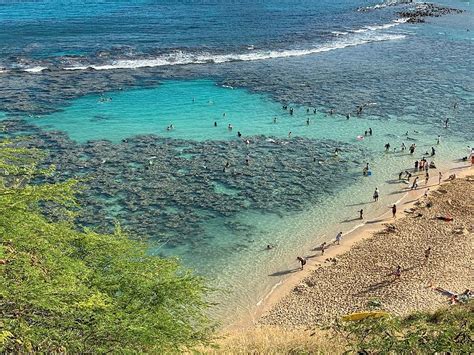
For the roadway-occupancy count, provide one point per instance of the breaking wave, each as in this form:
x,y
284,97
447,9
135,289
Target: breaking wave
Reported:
x,y
183,58
342,39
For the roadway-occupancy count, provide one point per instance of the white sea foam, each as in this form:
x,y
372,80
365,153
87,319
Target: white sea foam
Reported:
x,y
183,58
37,69
384,4
339,33
381,27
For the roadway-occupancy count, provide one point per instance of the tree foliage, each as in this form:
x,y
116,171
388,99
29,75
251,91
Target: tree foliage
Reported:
x,y
448,330
63,288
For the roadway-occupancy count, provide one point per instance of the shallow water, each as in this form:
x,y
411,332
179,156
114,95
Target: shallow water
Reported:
x,y
294,194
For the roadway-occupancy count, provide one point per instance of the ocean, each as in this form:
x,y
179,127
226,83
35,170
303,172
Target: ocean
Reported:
x,y
138,97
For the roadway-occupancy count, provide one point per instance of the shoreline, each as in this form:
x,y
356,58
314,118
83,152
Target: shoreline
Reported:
x,y
363,231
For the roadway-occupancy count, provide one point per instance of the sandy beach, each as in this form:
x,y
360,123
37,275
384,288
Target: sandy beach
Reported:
x,y
368,257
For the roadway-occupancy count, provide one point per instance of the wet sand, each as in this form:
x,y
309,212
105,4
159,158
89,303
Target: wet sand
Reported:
x,y
368,257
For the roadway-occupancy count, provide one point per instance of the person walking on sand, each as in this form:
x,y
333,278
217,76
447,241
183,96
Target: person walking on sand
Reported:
x,y
323,246
338,238
440,176
426,193
427,177
376,194
415,184
427,255
394,211
302,262
361,214
398,272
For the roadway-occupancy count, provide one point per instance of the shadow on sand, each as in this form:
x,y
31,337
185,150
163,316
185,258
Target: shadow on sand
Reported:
x,y
285,272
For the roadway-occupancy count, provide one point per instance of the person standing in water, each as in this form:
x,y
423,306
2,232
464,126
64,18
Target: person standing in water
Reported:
x,y
370,131
376,194
289,134
302,262
438,140
338,238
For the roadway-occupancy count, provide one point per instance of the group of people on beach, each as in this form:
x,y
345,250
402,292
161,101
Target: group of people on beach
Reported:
x,y
421,165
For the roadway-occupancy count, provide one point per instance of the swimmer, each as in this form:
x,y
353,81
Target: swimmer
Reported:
x,y
215,124
274,120
307,122
239,134
229,127
227,165
223,115
269,246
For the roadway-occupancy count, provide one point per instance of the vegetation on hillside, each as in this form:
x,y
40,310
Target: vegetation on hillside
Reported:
x,y
63,288
448,330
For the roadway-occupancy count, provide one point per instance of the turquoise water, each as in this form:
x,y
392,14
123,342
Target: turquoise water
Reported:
x,y
119,115
231,249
